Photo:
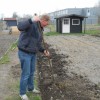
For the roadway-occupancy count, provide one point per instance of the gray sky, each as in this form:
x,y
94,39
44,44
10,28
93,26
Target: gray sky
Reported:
x,y
7,7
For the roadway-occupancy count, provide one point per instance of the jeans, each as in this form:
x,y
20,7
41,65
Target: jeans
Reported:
x,y
28,62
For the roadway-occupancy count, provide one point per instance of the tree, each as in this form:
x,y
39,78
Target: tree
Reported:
x,y
27,16
14,15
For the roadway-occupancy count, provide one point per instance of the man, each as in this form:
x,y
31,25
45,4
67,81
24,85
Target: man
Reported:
x,y
29,44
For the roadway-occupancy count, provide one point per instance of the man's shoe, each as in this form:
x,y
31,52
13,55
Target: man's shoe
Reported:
x,y
35,91
24,97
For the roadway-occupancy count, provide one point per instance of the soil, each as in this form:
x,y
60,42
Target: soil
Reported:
x,y
57,85
75,67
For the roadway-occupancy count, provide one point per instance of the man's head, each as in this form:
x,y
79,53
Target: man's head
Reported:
x,y
44,20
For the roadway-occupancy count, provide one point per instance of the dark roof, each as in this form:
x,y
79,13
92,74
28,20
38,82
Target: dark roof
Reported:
x,y
71,15
9,18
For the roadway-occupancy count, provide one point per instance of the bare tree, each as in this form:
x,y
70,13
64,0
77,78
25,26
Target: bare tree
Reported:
x,y
14,15
27,16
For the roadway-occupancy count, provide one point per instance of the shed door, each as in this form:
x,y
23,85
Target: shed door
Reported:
x,y
66,25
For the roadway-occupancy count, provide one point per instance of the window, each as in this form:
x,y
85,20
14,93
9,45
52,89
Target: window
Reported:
x,y
66,21
88,12
75,21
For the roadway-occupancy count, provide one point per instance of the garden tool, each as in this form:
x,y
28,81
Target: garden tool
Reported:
x,y
50,81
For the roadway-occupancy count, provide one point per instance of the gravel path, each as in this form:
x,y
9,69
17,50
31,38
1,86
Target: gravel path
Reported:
x,y
83,52
5,79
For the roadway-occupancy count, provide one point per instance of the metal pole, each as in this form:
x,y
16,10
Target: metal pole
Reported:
x,y
84,24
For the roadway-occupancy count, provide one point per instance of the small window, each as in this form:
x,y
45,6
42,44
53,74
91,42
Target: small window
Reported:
x,y
75,21
66,21
88,12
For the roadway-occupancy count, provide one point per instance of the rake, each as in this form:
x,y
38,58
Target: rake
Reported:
x,y
49,58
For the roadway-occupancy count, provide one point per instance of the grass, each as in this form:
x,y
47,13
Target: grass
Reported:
x,y
5,59
89,32
56,33
13,46
92,32
31,97
14,88
52,33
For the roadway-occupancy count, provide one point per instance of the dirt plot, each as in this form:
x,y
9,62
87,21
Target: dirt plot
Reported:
x,y
64,86
79,77
83,51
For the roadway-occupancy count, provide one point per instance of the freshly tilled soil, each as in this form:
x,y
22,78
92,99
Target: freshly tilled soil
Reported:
x,y
63,86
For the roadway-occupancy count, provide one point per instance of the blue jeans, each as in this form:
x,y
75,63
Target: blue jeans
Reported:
x,y
28,62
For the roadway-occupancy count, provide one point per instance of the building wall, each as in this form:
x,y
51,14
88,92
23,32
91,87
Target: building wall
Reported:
x,y
11,23
75,28
59,25
91,13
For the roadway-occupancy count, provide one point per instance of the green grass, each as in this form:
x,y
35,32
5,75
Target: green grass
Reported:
x,y
13,46
52,33
89,32
56,33
5,59
92,32
14,88
31,97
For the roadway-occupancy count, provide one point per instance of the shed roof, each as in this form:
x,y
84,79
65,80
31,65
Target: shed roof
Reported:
x,y
9,18
71,15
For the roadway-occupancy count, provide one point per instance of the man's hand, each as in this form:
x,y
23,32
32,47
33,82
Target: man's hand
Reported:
x,y
35,18
46,53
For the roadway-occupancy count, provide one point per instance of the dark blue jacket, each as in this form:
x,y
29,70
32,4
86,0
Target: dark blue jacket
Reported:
x,y
30,38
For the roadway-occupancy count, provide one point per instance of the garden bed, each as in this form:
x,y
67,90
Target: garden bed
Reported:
x,y
64,86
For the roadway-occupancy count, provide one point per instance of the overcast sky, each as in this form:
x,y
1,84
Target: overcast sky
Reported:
x,y
7,7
